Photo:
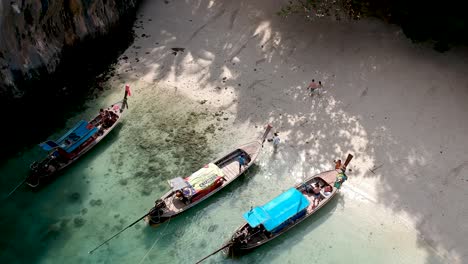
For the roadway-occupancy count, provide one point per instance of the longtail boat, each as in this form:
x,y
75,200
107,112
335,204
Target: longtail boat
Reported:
x,y
267,222
187,192
76,142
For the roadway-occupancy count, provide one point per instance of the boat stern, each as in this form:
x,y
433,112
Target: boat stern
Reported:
x,y
231,248
34,176
158,214
151,221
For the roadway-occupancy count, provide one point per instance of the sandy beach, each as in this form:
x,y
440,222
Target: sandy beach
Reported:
x,y
207,76
398,107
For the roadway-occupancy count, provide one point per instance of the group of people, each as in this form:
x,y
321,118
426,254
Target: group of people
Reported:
x,y
242,159
181,197
328,189
315,190
314,87
107,118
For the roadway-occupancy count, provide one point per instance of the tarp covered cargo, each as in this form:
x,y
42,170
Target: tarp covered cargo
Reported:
x,y
278,210
205,177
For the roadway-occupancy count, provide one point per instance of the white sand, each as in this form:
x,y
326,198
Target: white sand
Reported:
x,y
389,102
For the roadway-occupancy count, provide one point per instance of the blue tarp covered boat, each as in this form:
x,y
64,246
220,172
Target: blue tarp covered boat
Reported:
x,y
75,142
274,213
265,223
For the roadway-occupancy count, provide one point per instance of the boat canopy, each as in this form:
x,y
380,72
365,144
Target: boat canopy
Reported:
x,y
278,210
73,138
205,177
178,183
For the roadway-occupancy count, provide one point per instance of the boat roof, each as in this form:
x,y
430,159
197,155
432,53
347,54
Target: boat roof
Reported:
x,y
178,183
73,138
278,210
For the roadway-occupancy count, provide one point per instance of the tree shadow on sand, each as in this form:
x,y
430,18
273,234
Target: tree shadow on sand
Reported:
x,y
366,80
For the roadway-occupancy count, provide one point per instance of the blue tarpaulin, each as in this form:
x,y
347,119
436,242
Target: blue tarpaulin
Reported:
x,y
73,138
48,145
278,210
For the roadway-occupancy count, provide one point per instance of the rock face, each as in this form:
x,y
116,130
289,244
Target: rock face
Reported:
x,y
33,34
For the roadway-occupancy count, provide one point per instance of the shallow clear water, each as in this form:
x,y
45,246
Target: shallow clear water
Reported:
x,y
162,136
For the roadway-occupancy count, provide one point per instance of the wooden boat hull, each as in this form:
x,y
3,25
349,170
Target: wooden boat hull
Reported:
x,y
36,179
228,164
235,247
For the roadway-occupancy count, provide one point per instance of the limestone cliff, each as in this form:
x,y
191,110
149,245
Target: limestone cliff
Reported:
x,y
33,34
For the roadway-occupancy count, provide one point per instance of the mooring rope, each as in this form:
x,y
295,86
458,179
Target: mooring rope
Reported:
x,y
154,243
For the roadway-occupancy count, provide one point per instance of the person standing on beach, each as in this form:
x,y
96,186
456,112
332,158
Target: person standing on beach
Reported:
x,y
276,141
313,86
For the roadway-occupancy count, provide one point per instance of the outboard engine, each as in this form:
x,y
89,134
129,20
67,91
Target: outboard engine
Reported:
x,y
156,212
34,174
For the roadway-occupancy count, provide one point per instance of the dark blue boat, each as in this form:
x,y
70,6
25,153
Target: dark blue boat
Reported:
x,y
74,143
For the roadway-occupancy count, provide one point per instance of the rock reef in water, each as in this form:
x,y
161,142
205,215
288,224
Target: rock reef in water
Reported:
x,y
34,33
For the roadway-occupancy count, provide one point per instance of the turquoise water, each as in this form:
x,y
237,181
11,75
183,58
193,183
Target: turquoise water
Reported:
x,y
162,136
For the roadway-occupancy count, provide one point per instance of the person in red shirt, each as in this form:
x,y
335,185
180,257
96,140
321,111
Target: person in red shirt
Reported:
x,y
313,86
